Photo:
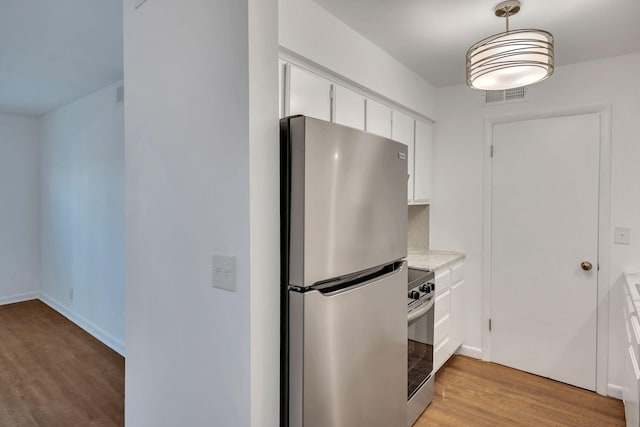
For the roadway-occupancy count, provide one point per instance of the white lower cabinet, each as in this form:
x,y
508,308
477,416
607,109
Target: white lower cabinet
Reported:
x,y
441,354
457,313
448,314
443,306
631,385
630,392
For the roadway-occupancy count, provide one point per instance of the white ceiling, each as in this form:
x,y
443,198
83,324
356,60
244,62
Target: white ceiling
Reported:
x,y
55,51
432,36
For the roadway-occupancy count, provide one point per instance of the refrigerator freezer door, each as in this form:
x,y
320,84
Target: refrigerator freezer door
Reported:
x,y
348,201
354,347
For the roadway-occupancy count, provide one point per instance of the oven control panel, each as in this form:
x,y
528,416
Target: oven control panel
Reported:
x,y
421,286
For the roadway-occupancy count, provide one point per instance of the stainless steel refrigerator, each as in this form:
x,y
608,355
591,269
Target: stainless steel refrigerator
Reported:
x,y
344,278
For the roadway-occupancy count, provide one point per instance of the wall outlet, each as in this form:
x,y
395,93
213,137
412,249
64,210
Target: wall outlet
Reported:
x,y
224,272
71,294
622,235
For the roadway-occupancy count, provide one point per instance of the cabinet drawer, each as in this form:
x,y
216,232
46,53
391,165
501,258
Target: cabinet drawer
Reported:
x,y
625,309
635,331
457,272
631,390
440,354
442,280
441,331
634,337
625,288
631,310
443,305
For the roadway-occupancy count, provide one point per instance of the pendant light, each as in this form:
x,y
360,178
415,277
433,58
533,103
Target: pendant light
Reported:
x,y
511,59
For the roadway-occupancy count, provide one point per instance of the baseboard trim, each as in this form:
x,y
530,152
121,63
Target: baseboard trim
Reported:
x,y
467,350
614,391
12,299
90,327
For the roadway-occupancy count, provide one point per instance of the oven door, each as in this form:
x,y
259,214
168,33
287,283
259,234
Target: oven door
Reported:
x,y
420,355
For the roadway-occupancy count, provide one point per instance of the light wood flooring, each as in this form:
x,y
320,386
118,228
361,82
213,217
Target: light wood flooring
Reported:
x,y
470,392
52,373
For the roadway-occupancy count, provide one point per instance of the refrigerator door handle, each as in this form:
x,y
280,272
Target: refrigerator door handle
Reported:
x,y
389,270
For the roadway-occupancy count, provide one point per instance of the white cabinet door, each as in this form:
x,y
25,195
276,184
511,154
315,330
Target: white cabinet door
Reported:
x,y
449,313
403,130
349,108
378,119
423,162
457,314
442,320
309,94
282,84
631,396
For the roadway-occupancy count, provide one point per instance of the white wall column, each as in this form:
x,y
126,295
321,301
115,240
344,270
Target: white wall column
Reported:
x,y
201,171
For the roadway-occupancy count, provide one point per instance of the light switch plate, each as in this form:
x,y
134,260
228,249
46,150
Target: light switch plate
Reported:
x,y
622,235
224,272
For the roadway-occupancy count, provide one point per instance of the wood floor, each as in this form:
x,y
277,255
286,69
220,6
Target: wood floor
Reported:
x,y
470,392
52,373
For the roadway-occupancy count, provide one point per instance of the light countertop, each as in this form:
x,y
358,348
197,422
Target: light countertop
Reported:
x,y
433,260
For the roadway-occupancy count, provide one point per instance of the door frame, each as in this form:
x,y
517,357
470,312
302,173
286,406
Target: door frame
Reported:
x,y
604,228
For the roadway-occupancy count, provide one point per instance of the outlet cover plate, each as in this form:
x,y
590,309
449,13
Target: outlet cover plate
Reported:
x,y
622,235
224,272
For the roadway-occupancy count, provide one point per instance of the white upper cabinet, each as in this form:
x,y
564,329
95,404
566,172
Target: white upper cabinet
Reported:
x,y
281,85
404,131
422,181
378,118
309,94
349,107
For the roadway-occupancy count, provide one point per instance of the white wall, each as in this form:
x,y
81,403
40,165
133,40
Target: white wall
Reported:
x,y
194,116
19,208
312,32
82,213
264,163
456,213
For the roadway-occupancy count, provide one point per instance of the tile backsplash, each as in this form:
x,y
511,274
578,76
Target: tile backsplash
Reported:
x,y
418,228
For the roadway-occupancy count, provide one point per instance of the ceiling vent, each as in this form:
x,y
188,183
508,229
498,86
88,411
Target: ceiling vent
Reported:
x,y
518,94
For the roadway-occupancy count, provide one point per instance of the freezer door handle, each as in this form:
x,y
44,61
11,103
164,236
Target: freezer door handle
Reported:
x,y
347,284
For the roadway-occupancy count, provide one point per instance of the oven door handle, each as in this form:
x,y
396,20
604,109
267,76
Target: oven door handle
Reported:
x,y
421,311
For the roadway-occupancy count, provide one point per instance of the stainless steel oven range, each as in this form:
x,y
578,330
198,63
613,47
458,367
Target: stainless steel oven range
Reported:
x,y
420,315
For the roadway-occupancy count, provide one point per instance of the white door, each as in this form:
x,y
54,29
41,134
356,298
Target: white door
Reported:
x,y
544,225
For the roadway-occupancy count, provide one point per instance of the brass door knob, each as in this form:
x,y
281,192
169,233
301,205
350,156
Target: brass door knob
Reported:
x,y
586,265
